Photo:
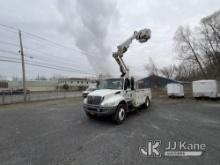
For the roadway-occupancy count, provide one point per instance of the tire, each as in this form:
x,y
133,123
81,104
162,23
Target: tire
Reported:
x,y
147,103
90,116
120,114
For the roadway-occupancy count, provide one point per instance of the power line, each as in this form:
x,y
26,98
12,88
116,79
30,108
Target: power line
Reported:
x,y
49,64
38,37
69,67
59,61
48,54
44,39
44,66
67,62
52,42
35,50
60,67
52,64
6,27
9,27
9,58
30,35
9,52
57,44
9,43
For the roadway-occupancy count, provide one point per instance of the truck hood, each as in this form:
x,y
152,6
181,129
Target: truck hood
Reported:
x,y
103,92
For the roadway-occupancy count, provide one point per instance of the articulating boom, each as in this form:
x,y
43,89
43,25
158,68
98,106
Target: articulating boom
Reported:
x,y
142,36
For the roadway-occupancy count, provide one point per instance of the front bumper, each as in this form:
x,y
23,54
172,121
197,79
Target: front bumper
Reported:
x,y
99,110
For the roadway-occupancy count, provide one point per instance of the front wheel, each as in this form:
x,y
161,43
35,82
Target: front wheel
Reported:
x,y
90,116
147,103
120,114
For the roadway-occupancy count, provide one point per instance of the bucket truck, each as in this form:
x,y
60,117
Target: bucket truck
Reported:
x,y
118,96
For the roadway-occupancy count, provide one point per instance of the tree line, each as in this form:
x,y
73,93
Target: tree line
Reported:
x,y
198,50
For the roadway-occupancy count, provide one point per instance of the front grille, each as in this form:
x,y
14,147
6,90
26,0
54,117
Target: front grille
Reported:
x,y
95,100
92,109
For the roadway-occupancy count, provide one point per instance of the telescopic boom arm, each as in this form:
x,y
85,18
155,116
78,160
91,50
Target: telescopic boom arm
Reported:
x,y
142,36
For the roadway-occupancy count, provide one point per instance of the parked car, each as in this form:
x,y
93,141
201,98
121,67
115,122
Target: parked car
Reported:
x,y
87,91
6,92
20,91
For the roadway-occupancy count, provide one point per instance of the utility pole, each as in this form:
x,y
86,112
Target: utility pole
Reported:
x,y
23,67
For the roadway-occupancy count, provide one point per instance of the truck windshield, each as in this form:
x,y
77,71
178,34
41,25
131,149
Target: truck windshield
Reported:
x,y
111,84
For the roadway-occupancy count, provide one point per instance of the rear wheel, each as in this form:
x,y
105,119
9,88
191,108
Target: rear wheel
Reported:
x,y
120,114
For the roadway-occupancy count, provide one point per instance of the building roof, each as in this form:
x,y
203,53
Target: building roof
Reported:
x,y
74,78
154,81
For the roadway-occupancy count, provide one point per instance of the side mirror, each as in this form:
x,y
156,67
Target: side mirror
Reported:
x,y
97,83
132,83
127,84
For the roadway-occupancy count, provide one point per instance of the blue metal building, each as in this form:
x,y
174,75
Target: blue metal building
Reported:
x,y
155,81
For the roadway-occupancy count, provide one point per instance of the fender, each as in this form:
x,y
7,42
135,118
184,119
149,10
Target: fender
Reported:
x,y
115,100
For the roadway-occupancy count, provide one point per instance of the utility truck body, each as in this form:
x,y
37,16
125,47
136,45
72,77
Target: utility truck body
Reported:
x,y
206,88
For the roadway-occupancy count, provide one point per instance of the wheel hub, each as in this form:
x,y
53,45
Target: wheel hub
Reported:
x,y
121,114
147,103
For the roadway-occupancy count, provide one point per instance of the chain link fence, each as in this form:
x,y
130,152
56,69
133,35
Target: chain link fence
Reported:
x,y
37,96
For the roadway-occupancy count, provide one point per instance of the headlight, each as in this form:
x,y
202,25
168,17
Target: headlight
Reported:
x,y
85,101
108,104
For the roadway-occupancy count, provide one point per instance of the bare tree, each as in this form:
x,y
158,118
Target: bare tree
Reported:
x,y
56,77
40,78
169,71
213,21
210,42
187,47
187,71
199,49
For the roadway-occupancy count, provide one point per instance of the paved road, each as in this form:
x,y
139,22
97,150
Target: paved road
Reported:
x,y
58,132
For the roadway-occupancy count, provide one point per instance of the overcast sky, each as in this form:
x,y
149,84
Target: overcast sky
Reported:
x,y
90,30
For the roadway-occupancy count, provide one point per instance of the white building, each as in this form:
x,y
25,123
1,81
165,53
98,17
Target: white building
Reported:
x,y
35,85
75,83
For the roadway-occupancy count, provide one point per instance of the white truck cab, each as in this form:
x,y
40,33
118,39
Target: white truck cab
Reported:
x,y
116,97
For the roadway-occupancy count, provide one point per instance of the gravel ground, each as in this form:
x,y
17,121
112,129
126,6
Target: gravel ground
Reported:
x,y
58,132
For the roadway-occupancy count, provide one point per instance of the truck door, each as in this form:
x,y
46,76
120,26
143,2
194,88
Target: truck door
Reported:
x,y
127,91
